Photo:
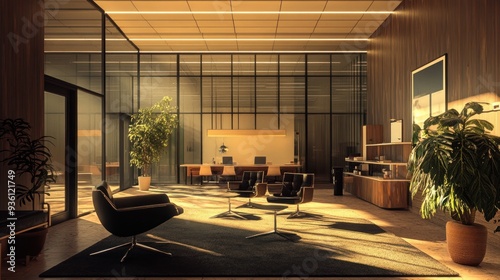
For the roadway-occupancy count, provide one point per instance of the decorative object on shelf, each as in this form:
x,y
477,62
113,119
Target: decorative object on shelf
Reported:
x,y
149,134
396,130
370,185
223,148
456,167
387,173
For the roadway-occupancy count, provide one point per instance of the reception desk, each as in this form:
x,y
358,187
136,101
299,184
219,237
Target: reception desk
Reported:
x,y
193,169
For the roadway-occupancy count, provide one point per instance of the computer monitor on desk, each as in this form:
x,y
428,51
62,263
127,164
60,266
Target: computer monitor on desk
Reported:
x,y
259,160
227,160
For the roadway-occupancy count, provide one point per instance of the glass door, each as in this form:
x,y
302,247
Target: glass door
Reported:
x,y
89,148
73,121
56,121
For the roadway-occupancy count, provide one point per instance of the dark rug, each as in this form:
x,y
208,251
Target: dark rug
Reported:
x,y
202,246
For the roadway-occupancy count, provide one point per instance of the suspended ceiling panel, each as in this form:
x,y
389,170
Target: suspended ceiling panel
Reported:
x,y
223,26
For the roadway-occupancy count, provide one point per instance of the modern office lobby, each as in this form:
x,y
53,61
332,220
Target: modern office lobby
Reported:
x,y
296,82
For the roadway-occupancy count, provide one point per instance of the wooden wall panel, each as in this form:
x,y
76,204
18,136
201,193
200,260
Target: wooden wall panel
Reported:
x,y
420,31
21,69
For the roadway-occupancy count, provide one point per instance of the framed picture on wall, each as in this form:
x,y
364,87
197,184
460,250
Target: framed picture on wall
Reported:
x,y
429,90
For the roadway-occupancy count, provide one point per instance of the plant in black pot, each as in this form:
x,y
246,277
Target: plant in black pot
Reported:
x,y
456,167
149,135
32,171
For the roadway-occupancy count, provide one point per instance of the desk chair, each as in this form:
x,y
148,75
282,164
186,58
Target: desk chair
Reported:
x,y
273,171
228,171
205,172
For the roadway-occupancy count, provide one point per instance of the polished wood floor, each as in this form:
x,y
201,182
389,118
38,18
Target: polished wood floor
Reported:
x,y
71,237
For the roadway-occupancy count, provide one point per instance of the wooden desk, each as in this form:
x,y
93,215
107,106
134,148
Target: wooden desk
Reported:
x,y
112,168
194,169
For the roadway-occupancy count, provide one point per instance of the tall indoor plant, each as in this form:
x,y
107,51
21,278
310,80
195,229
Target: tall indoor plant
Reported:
x,y
456,167
149,134
30,160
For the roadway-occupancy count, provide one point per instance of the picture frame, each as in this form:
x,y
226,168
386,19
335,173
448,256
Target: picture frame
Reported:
x,y
429,90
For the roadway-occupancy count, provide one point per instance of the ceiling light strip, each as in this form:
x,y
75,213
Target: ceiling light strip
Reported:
x,y
215,39
253,52
249,39
247,12
245,132
211,52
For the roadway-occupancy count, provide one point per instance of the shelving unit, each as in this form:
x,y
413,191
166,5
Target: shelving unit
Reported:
x,y
381,173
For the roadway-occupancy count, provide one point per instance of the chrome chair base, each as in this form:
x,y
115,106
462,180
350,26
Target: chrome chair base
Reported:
x,y
274,231
131,245
229,212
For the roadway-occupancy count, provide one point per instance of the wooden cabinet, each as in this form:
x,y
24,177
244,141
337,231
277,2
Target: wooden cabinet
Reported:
x,y
380,175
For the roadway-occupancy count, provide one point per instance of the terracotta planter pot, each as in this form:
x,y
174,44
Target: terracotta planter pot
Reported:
x,y
144,183
31,243
466,243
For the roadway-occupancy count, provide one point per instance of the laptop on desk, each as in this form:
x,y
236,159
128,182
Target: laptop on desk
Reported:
x,y
259,160
228,160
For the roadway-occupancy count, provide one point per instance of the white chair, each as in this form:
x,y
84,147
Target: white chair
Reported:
x,y
205,172
228,171
273,171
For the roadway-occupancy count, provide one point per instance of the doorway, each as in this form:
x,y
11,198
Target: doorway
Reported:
x,y
73,121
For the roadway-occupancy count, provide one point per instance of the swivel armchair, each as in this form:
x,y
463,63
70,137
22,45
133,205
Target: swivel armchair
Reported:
x,y
130,216
251,185
297,188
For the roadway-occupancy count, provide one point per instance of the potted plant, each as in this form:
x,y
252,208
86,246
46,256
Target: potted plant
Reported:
x,y
30,160
149,134
456,167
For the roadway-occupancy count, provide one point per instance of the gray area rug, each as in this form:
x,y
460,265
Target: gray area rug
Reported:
x,y
201,245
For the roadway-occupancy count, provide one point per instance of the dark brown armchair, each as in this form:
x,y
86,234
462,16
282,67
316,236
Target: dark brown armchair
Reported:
x,y
297,188
251,185
130,216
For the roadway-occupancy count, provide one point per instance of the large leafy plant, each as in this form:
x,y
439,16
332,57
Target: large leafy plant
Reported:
x,y
456,165
28,158
150,132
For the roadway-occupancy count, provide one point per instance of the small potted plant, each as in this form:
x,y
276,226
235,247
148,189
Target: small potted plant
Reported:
x,y
30,160
456,167
149,134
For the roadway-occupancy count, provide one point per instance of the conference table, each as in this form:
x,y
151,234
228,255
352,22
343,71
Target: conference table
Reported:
x,y
193,169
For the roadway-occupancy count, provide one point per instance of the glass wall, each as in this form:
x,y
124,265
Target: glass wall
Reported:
x,y
321,97
121,93
67,56
102,71
323,94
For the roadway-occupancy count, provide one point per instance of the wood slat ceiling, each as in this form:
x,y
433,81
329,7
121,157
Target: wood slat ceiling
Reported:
x,y
226,26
